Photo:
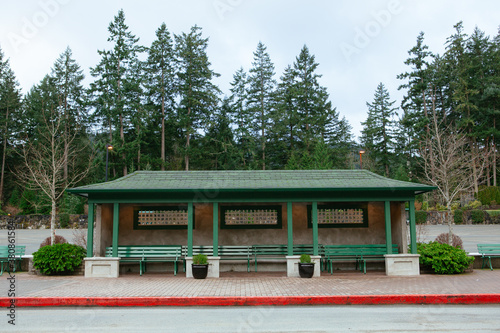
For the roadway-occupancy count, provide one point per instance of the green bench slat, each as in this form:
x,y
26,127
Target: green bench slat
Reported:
x,y
19,251
487,251
360,253
148,253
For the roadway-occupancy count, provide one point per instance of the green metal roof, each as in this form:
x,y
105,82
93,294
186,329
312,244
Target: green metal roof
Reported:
x,y
254,180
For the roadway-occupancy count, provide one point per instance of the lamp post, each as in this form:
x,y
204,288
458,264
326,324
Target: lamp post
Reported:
x,y
361,152
108,148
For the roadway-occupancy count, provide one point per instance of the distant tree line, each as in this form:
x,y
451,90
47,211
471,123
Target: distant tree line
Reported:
x,y
160,110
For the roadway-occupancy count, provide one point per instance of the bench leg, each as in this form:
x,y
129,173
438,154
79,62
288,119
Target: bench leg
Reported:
x,y
140,268
175,268
1,272
489,261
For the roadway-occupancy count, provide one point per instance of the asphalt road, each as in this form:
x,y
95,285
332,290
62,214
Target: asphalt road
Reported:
x,y
384,318
471,235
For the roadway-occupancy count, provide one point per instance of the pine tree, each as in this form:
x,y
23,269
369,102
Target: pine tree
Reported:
x,y
246,129
160,81
115,89
260,94
10,103
312,99
198,95
378,129
415,120
67,78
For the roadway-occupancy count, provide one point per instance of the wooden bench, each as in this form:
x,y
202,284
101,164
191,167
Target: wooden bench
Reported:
x,y
279,251
360,254
143,254
16,257
487,251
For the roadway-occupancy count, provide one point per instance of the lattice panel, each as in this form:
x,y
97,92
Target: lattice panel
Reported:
x,y
251,217
340,216
162,217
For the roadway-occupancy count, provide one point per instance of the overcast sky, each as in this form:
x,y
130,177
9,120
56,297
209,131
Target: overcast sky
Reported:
x,y
356,43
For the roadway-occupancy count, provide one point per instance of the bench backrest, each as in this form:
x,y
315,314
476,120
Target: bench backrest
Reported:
x,y
358,250
488,248
235,250
19,251
135,251
277,249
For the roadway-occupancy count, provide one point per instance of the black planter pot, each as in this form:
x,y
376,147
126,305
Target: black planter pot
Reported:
x,y
306,270
199,271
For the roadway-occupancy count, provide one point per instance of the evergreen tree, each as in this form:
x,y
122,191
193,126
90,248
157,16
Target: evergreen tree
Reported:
x,y
198,95
312,99
116,87
67,78
246,129
10,103
415,120
260,94
160,82
378,129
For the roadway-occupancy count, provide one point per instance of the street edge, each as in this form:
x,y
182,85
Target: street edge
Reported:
x,y
252,300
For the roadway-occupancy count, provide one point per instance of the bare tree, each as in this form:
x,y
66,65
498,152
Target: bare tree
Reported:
x,y
448,163
45,157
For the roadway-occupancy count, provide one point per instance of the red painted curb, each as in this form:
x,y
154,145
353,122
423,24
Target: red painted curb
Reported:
x,y
253,300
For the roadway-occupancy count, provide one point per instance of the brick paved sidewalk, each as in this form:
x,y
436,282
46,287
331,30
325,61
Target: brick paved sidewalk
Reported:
x,y
254,284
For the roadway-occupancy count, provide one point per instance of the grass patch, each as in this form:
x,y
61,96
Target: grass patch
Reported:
x,y
493,212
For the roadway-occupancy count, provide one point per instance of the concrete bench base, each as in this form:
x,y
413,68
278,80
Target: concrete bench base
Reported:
x,y
213,267
107,267
292,266
402,264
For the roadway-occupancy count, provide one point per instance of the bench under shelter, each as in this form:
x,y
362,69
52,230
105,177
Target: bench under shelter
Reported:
x,y
215,211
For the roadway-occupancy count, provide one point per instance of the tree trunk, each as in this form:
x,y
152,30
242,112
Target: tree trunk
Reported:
x,y
163,133
53,222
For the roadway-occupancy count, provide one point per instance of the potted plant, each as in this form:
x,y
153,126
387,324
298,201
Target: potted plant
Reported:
x,y
199,267
306,267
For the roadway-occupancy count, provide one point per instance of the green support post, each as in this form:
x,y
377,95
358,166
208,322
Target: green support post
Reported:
x,y
315,227
190,230
388,231
289,226
116,221
90,231
413,228
216,228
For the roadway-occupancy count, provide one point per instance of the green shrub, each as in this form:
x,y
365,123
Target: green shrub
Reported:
x,y
425,205
487,194
474,204
58,259
458,216
305,259
477,216
443,258
200,259
420,217
63,220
